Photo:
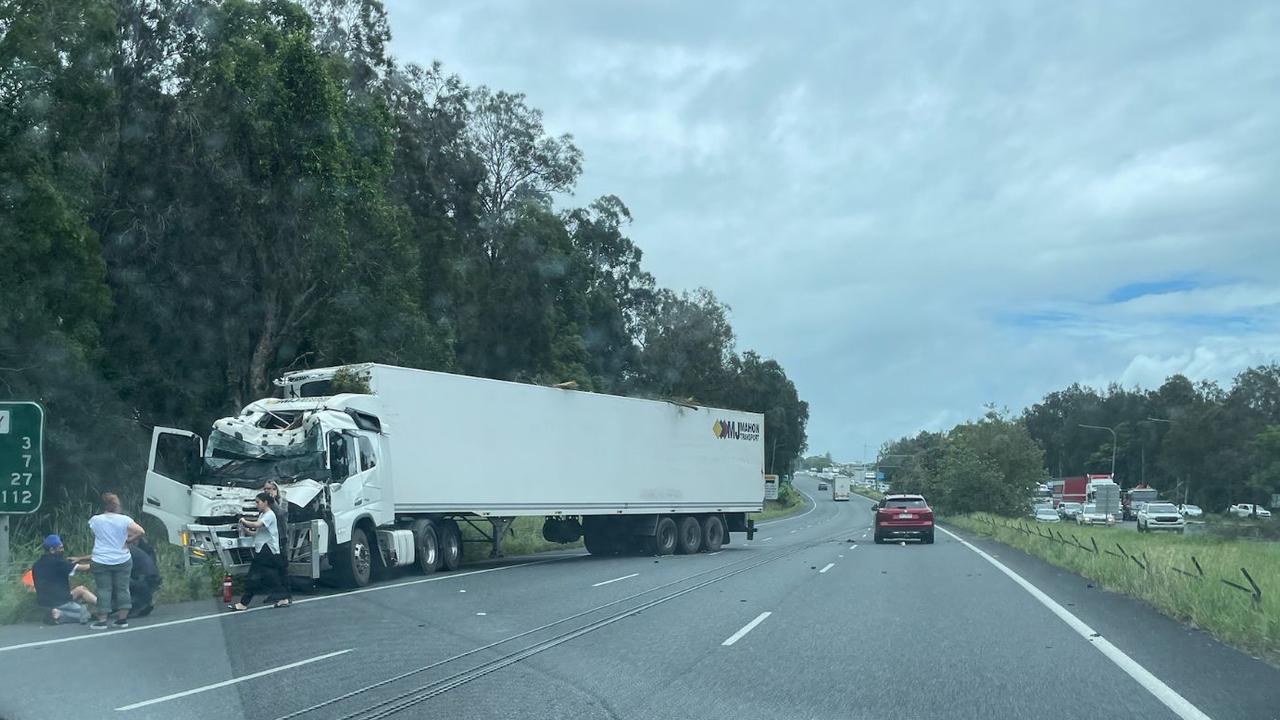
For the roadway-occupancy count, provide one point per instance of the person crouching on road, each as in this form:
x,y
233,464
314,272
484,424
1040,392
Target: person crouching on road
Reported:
x,y
144,579
264,572
51,575
111,562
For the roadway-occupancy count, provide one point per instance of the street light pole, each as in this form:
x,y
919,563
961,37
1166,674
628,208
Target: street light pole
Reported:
x,y
1114,442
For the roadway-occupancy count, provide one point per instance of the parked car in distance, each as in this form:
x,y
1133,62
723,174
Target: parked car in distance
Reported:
x,y
1069,510
1244,510
1089,515
1160,516
906,516
1190,511
1046,514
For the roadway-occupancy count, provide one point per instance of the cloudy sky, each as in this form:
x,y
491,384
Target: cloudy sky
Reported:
x,y
919,208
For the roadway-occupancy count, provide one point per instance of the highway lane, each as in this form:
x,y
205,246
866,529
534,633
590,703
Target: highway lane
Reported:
x,y
886,631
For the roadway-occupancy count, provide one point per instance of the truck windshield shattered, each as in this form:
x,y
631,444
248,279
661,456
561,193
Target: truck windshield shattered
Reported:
x,y
236,462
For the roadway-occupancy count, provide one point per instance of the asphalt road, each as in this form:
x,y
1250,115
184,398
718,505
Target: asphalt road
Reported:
x,y
809,620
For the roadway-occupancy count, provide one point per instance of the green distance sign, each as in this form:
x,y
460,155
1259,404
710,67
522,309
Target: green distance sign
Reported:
x,y
21,457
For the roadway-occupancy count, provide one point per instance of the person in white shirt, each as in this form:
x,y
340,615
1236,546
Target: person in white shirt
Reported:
x,y
111,562
264,572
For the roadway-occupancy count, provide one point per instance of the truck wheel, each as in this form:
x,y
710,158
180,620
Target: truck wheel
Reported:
x,y
712,533
450,537
426,551
689,535
354,560
664,537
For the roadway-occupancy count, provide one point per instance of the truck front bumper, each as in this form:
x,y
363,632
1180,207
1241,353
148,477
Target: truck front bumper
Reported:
x,y
223,543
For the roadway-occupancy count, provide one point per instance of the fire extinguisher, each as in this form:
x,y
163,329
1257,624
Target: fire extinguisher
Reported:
x,y
226,588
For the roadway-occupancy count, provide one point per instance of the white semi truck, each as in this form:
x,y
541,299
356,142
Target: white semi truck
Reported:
x,y
380,466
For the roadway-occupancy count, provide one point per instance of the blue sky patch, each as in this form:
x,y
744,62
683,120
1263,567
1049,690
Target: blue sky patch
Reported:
x,y
1125,293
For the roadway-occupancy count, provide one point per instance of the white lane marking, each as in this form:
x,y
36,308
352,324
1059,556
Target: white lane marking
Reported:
x,y
853,547
481,614
224,615
840,556
714,553
1165,694
233,681
793,532
767,539
828,567
624,577
746,629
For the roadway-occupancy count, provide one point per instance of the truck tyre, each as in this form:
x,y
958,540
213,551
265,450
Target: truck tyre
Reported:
x,y
426,551
712,533
689,535
664,536
450,537
354,560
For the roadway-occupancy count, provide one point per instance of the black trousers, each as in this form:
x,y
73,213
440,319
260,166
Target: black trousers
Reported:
x,y
264,577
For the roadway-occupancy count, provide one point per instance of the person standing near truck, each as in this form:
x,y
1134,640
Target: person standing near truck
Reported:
x,y
281,506
264,571
111,562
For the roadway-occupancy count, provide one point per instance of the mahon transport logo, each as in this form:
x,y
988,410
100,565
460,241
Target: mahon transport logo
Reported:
x,y
733,430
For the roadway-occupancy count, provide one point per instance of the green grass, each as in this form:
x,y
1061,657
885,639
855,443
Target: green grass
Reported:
x,y
524,537
789,502
1229,614
867,492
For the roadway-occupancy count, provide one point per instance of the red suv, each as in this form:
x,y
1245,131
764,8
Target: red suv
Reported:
x,y
903,516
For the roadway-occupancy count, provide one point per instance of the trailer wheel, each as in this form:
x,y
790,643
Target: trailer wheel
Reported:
x,y
664,537
450,537
689,537
426,546
712,533
354,561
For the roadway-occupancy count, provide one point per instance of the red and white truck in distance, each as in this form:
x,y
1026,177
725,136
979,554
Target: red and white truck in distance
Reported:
x,y
382,477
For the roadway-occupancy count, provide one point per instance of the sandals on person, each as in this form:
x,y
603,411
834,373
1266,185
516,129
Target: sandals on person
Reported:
x,y
283,603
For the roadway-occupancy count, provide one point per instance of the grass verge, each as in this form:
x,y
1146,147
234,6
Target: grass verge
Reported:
x,y
524,537
867,492
1229,614
789,502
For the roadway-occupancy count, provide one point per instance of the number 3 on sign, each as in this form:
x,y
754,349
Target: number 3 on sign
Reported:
x,y
4,422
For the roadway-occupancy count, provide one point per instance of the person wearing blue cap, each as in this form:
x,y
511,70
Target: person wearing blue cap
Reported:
x,y
51,575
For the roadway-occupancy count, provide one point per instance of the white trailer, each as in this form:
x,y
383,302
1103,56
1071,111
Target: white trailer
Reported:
x,y
1105,495
840,488
383,476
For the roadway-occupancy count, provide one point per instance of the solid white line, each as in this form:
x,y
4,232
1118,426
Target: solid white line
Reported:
x,y
624,577
767,539
1165,694
853,547
714,553
828,567
233,681
746,629
223,615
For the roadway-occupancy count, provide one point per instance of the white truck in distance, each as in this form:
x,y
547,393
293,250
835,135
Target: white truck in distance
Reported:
x,y
383,476
840,488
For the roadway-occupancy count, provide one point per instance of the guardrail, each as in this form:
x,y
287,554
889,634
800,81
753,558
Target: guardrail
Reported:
x,y
1123,555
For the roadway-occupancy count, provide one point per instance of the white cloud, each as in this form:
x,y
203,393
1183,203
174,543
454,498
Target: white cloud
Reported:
x,y
880,191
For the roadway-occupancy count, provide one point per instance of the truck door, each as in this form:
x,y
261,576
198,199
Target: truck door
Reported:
x,y
172,468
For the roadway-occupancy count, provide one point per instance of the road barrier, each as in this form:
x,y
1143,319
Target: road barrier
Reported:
x,y
1143,562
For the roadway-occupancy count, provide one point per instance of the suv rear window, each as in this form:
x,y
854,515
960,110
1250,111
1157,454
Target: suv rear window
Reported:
x,y
905,503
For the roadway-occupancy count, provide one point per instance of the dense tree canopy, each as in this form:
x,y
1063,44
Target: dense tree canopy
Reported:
x,y
196,195
1197,441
